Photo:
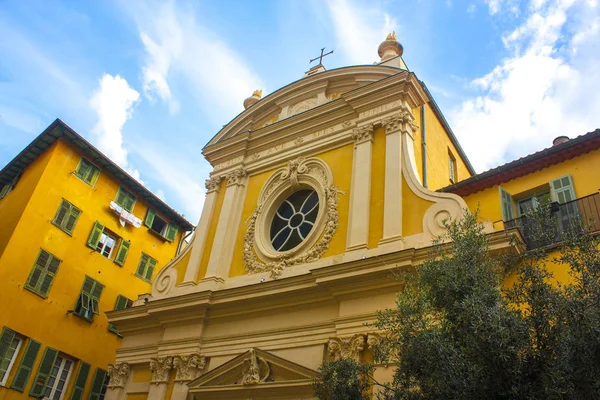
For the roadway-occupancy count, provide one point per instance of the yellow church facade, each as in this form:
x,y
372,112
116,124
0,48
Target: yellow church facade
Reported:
x,y
78,237
319,191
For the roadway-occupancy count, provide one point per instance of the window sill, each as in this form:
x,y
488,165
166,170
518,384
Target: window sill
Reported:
x,y
36,293
142,278
90,320
157,234
62,229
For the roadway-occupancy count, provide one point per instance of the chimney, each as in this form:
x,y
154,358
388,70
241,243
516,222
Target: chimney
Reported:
x,y
560,140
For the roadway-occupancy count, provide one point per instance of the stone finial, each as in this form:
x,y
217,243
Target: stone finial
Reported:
x,y
390,48
256,96
118,374
188,367
160,367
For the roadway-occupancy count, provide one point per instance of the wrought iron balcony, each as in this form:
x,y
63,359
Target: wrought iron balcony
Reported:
x,y
582,213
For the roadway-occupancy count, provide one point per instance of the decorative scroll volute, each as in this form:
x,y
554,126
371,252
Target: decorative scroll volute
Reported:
x,y
348,347
118,374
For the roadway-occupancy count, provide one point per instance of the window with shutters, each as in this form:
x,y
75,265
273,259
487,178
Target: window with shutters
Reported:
x,y
26,366
58,379
121,304
125,199
89,299
42,275
99,385
79,386
87,172
10,344
160,226
452,174
66,216
108,244
146,267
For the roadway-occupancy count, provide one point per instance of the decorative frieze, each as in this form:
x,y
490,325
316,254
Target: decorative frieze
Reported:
x,y
160,367
348,347
118,374
255,370
188,367
213,183
236,177
363,133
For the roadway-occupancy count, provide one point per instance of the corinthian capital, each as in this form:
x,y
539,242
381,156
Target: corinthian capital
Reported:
x,y
188,367
236,177
363,133
160,367
401,121
118,374
348,347
213,183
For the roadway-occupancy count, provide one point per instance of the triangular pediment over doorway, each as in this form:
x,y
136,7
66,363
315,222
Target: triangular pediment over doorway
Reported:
x,y
256,375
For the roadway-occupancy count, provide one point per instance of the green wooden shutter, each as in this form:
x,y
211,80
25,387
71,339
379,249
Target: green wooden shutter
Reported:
x,y
83,169
41,378
562,189
79,387
72,219
122,252
149,218
42,274
121,304
63,211
95,297
96,391
92,175
125,199
24,370
150,269
51,270
506,201
171,233
4,191
142,265
6,339
95,235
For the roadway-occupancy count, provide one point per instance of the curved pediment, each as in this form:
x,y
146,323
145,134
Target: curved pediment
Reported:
x,y
302,95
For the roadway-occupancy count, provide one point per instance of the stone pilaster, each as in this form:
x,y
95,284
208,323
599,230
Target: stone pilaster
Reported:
x,y
228,224
360,191
187,369
392,206
118,374
212,190
160,368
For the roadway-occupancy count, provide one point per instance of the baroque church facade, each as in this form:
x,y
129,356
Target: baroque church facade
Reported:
x,y
319,191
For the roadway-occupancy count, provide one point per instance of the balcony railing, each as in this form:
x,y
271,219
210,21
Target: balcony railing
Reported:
x,y
582,213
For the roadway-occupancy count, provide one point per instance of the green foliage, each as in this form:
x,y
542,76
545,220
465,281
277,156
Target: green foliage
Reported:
x,y
457,333
343,380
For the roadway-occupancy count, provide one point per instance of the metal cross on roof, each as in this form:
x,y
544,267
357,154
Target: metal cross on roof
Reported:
x,y
320,58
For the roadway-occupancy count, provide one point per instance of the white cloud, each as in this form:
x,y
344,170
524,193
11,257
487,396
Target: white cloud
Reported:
x,y
545,88
113,102
179,49
359,31
471,8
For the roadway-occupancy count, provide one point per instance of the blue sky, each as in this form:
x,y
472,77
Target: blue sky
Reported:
x,y
150,82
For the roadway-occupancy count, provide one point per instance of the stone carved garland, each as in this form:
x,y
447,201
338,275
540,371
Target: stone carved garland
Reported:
x,y
118,374
188,367
290,176
160,367
255,369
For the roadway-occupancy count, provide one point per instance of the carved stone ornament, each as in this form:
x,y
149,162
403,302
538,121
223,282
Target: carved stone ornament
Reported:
x,y
310,173
401,121
302,106
349,347
363,133
255,369
213,183
188,368
118,374
236,177
160,367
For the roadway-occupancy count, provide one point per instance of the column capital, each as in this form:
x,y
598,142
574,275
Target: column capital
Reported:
x,y
188,367
118,374
347,347
400,122
160,367
363,133
213,183
236,177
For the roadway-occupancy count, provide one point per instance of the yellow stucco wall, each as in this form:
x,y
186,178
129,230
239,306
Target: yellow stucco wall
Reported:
x,y
212,230
338,160
48,320
413,209
377,188
583,170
